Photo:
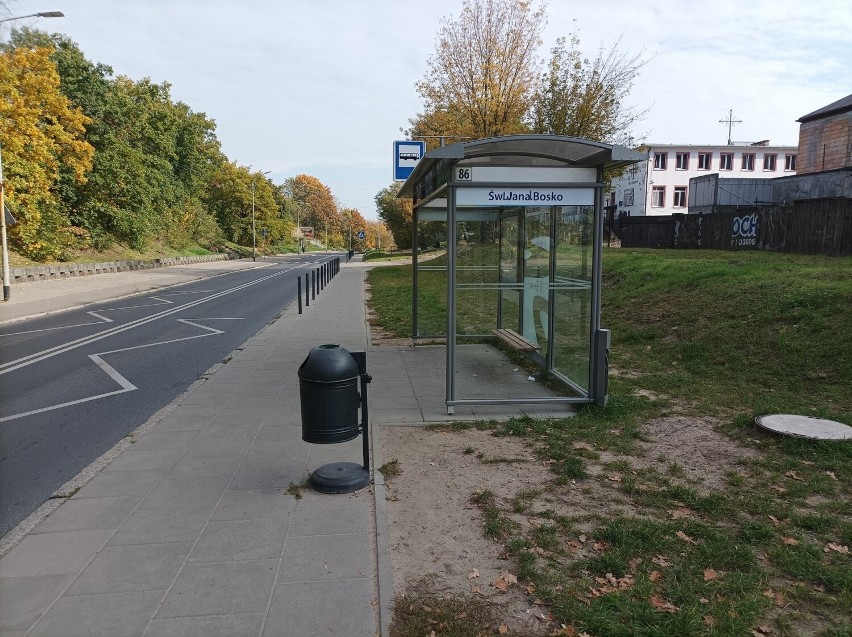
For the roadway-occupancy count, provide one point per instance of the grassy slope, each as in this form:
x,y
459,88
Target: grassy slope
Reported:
x,y
732,335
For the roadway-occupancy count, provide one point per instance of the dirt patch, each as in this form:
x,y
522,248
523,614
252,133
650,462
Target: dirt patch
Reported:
x,y
437,535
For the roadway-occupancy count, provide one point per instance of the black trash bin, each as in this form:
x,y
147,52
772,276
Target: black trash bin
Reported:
x,y
330,400
328,391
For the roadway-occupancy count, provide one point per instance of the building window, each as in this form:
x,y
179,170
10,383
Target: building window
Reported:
x,y
680,197
704,161
790,162
748,161
726,161
658,196
660,161
769,162
682,161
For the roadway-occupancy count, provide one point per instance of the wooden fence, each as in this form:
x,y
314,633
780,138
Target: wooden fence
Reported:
x,y
820,226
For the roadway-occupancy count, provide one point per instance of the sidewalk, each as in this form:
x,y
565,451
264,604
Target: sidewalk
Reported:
x,y
196,528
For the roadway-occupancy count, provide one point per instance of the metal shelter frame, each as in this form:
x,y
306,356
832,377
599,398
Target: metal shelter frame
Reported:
x,y
510,178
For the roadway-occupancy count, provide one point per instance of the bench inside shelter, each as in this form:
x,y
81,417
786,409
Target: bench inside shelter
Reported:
x,y
515,340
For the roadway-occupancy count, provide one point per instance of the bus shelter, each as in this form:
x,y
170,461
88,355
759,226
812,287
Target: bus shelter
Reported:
x,y
517,293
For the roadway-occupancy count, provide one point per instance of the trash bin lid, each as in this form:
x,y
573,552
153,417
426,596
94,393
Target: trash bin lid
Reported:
x,y
327,364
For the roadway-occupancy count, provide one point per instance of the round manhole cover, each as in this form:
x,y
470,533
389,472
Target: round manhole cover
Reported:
x,y
805,427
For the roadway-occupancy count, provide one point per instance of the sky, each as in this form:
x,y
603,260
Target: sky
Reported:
x,y
323,87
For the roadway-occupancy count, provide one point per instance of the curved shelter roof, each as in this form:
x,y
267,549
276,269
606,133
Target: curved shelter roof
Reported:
x,y
526,150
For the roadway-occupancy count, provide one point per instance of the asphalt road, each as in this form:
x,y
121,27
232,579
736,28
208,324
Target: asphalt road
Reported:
x,y
72,385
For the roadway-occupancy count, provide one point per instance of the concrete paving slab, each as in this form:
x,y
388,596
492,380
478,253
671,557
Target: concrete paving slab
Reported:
x,y
186,492
25,599
240,540
116,614
134,459
162,440
319,558
332,514
155,526
208,626
79,514
255,504
278,475
53,553
119,483
220,588
126,569
301,610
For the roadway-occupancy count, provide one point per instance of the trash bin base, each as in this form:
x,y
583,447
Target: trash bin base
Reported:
x,y
340,477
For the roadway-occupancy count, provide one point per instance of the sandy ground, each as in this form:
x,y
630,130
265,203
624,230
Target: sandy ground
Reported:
x,y
436,535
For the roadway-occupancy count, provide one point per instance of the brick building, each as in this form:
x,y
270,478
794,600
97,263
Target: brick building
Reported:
x,y
825,138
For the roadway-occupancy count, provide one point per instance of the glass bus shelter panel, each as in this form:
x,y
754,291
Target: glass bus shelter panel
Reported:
x,y
509,310
477,274
432,279
572,288
535,316
483,370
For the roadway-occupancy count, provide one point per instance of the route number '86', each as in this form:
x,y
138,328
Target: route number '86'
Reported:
x,y
463,174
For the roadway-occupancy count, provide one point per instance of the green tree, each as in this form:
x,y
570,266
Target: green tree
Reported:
x,y
482,75
396,214
586,98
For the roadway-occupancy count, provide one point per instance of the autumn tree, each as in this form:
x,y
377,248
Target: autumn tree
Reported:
x,y
41,131
579,97
316,205
482,75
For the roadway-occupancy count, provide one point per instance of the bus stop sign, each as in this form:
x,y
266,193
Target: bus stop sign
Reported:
x,y
406,154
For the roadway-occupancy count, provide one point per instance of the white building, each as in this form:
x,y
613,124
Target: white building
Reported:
x,y
660,185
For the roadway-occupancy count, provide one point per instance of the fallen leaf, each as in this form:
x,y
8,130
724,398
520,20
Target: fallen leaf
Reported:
x,y
661,604
501,584
506,575
708,620
582,538
614,477
636,561
765,629
599,546
790,541
682,512
583,445
655,576
710,574
683,536
807,462
461,615
703,600
778,488
503,629
831,546
477,591
779,599
530,589
661,560
793,474
474,573
774,519
831,475
755,633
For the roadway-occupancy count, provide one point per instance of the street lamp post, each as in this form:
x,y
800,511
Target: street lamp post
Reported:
x,y
41,14
7,288
253,234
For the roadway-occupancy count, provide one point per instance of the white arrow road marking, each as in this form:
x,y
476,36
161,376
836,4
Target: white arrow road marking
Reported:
x,y
104,319
126,385
80,342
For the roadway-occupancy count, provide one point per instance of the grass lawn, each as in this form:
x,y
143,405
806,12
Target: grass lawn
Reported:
x,y
696,334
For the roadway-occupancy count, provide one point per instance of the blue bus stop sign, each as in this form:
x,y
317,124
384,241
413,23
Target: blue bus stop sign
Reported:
x,y
406,154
